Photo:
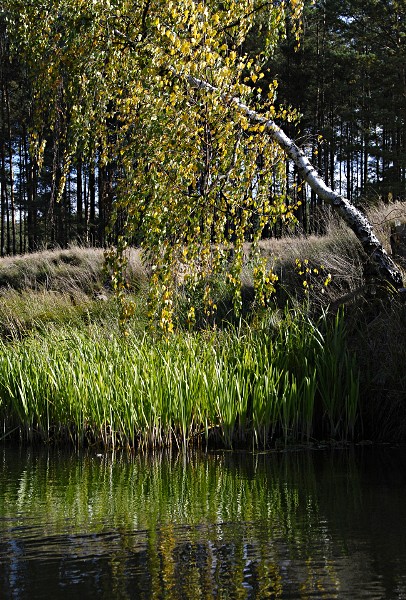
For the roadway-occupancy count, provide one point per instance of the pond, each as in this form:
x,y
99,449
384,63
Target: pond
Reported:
x,y
295,524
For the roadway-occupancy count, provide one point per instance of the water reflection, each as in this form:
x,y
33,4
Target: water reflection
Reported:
x,y
226,525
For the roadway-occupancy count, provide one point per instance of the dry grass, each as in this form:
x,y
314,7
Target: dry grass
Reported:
x,y
56,270
383,217
338,252
68,270
62,287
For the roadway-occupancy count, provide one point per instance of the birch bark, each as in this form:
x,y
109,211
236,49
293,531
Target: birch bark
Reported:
x,y
385,268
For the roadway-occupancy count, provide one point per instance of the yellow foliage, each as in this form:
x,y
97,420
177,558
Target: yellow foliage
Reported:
x,y
187,157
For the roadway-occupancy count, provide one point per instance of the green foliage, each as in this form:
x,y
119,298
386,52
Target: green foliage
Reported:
x,y
232,387
192,176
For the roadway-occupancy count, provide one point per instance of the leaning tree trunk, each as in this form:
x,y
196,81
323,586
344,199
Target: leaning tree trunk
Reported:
x,y
355,219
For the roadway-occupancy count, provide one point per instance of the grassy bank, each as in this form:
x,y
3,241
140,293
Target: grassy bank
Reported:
x,y
290,382
296,372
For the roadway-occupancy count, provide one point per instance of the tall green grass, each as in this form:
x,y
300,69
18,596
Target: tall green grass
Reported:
x,y
238,387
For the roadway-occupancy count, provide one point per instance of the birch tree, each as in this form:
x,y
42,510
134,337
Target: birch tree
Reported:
x,y
164,95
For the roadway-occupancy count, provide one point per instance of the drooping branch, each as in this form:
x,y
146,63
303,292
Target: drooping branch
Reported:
x,y
355,219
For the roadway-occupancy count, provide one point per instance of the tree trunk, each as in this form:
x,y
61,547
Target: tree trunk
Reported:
x,y
10,157
355,219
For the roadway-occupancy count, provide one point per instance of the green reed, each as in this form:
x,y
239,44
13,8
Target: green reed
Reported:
x,y
240,387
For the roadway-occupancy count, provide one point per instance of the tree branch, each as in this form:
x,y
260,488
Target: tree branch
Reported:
x,y
386,269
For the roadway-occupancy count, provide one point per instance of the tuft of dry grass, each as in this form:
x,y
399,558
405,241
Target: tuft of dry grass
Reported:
x,y
55,270
383,217
70,270
303,264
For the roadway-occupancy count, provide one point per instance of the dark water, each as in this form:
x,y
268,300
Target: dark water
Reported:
x,y
320,524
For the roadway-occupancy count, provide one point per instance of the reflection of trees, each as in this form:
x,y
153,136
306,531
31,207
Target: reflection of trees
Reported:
x,y
223,526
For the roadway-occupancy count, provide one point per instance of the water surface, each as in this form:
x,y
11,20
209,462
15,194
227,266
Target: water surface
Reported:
x,y
309,524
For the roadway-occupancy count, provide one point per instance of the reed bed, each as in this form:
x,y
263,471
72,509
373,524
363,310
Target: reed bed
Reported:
x,y
240,387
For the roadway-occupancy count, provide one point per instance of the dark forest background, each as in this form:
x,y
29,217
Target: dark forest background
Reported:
x,y
347,80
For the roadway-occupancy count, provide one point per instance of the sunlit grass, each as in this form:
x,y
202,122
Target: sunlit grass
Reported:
x,y
230,388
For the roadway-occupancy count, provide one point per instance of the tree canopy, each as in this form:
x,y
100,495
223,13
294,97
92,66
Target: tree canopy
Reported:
x,y
189,172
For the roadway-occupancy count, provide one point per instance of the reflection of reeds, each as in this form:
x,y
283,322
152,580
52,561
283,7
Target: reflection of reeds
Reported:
x,y
229,387
199,526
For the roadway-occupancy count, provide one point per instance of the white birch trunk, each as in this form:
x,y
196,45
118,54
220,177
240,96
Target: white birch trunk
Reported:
x,y
355,219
